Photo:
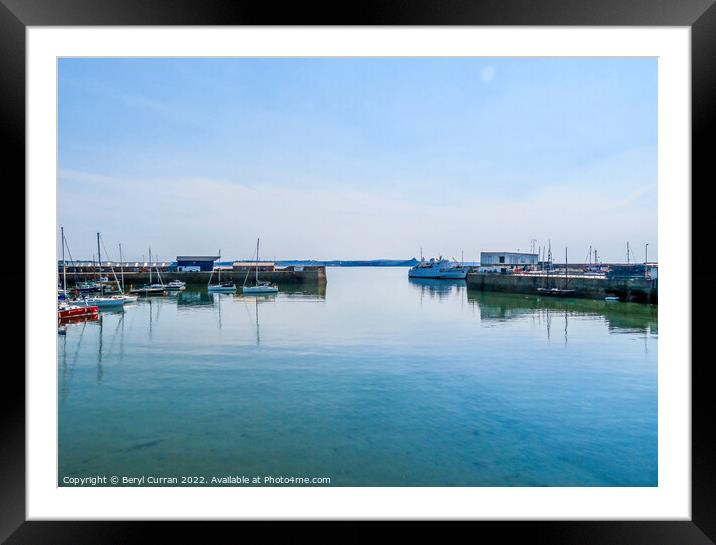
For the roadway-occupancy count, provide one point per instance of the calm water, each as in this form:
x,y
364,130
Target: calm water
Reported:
x,y
371,380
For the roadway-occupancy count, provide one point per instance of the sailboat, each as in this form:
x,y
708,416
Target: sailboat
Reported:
x,y
226,286
260,286
103,301
127,298
151,288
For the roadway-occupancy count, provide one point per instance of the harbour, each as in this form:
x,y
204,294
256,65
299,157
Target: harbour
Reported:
x,y
340,379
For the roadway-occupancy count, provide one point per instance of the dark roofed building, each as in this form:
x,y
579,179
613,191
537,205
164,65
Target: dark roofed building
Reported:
x,y
196,262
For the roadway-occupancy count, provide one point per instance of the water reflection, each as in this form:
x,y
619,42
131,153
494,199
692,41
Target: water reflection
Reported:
x,y
619,317
464,388
438,289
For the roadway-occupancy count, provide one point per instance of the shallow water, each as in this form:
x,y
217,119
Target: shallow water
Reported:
x,y
371,380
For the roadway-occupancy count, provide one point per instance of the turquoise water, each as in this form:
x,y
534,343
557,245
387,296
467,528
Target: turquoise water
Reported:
x,y
371,380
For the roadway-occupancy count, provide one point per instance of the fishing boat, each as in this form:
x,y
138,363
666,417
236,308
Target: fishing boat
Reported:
x,y
438,268
260,286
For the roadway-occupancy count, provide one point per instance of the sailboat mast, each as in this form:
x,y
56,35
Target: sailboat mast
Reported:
x,y
99,258
565,267
64,263
257,261
150,265
121,265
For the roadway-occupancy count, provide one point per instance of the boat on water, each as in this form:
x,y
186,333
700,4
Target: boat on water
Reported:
x,y
149,289
438,268
114,301
611,298
227,286
556,292
88,287
176,285
152,288
67,311
260,286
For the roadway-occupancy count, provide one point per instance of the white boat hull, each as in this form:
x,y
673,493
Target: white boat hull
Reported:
x,y
104,303
457,273
221,289
259,289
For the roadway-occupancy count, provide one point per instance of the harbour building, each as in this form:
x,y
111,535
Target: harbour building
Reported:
x,y
506,262
263,266
196,263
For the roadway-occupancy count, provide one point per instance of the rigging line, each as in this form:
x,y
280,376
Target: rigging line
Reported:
x,y
72,259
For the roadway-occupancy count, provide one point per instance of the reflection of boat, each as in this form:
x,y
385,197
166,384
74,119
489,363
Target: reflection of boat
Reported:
x,y
260,286
438,287
438,268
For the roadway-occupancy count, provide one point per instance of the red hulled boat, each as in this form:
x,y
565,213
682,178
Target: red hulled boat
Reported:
x,y
67,312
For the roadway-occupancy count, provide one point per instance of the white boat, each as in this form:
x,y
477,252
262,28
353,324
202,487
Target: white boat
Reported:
x,y
130,298
176,285
115,301
226,286
438,268
260,286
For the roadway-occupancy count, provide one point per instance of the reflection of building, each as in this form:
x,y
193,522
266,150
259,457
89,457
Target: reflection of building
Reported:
x,y
266,266
192,298
625,317
196,263
504,262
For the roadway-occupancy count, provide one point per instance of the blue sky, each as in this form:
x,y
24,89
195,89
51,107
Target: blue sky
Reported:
x,y
358,158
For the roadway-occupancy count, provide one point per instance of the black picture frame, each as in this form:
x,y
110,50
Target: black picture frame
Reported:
x,y
700,15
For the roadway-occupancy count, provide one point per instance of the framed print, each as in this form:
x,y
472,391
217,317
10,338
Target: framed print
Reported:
x,y
402,267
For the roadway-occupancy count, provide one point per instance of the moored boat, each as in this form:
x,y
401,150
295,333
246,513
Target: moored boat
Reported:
x,y
176,285
438,268
116,301
260,286
226,286
149,289
70,311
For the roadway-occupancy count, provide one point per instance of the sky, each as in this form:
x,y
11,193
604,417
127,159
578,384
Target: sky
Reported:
x,y
358,158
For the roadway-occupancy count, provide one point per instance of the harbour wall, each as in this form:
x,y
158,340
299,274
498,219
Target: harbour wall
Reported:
x,y
315,275
637,290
